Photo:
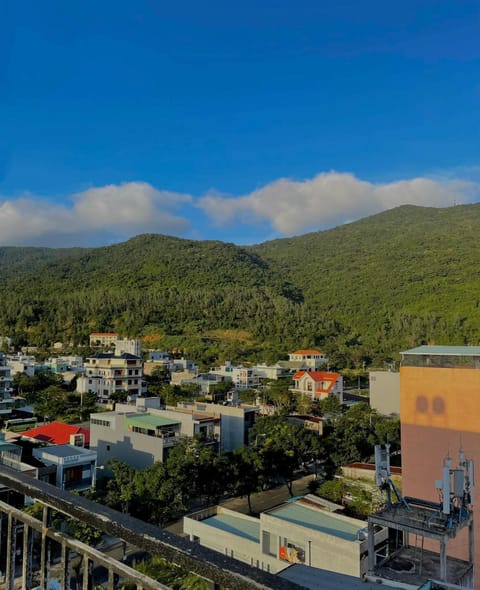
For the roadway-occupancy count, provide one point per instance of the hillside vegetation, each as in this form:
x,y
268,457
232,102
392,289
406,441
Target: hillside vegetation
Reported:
x,y
362,291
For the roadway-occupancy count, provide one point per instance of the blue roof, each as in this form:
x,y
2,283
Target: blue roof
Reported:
x,y
445,350
317,520
246,528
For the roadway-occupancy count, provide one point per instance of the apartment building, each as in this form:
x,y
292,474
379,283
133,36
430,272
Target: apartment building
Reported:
x,y
6,380
439,415
106,373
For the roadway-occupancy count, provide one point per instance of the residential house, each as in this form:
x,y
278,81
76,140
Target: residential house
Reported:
x,y
318,385
143,434
75,466
107,373
59,433
103,338
241,377
310,359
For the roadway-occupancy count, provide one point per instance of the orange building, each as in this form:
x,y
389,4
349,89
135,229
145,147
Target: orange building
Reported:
x,y
440,414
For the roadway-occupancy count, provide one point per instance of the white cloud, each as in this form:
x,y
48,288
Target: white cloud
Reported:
x,y
330,199
117,212
97,215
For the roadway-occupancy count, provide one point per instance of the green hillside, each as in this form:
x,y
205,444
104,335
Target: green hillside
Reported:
x,y
362,291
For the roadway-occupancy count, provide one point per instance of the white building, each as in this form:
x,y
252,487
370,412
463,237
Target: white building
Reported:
x,y
130,346
103,338
75,466
303,531
142,434
241,377
6,380
385,392
310,358
106,373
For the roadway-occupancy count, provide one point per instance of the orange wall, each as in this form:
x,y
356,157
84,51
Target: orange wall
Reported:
x,y
440,413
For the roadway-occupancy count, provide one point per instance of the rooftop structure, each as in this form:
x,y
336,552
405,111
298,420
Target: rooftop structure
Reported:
x,y
303,530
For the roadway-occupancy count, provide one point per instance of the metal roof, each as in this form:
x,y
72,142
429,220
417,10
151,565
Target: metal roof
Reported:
x,y
151,421
445,350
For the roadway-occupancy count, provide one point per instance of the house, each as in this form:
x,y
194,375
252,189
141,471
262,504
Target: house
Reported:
x,y
102,338
309,358
143,435
75,466
107,373
66,466
241,377
301,531
318,385
58,433
235,420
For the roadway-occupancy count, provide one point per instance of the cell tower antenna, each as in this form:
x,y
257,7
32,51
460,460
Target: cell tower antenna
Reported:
x,y
383,477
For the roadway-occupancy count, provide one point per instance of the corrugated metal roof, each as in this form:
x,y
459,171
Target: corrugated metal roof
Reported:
x,y
151,421
445,350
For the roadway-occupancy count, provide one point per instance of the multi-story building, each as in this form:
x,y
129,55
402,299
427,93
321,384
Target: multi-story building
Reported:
x,y
5,378
235,420
309,358
142,434
103,338
385,392
131,346
439,415
318,385
106,373
241,377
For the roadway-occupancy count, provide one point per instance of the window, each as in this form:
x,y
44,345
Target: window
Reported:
x,y
101,422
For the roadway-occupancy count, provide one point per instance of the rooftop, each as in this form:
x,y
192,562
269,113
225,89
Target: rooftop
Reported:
x,y
65,451
445,350
246,528
318,520
151,421
56,433
313,578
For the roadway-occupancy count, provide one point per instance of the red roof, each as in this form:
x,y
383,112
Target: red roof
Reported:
x,y
318,375
307,351
57,433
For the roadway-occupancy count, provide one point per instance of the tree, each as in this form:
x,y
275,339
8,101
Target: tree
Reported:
x,y
247,475
121,489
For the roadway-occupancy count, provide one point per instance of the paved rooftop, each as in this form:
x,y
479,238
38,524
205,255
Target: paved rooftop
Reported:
x,y
248,529
317,520
445,350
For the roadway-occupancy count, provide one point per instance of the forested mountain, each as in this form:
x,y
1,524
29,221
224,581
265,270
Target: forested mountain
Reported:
x,y
361,291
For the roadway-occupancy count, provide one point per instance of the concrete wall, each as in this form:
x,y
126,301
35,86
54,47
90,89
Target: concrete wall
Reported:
x,y
385,392
440,409
135,449
229,544
321,550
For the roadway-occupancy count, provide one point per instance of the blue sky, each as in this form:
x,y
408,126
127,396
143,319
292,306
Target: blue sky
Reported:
x,y
239,121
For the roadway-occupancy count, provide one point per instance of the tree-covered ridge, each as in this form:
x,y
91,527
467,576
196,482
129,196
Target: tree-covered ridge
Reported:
x,y
361,291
